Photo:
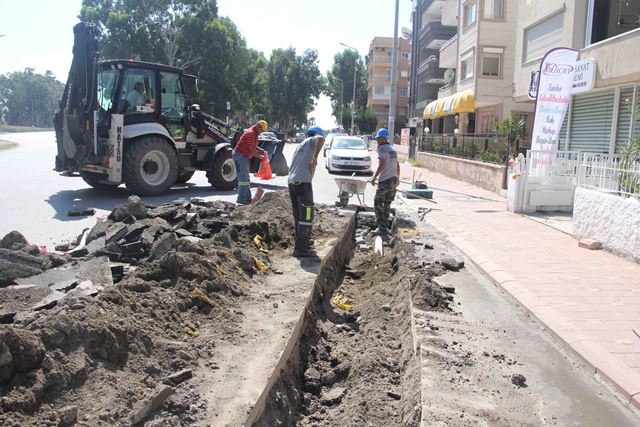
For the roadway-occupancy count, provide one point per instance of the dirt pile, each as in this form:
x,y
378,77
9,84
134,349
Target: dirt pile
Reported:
x,y
175,271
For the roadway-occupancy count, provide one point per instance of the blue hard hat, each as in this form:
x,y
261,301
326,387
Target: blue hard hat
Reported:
x,y
382,133
316,130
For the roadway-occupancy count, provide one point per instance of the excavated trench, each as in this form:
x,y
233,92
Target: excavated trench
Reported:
x,y
352,360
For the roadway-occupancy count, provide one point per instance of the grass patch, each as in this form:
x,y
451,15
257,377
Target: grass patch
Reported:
x,y
16,129
416,163
5,145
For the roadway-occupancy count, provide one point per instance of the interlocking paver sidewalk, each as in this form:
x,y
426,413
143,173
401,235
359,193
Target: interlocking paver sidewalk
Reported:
x,y
589,299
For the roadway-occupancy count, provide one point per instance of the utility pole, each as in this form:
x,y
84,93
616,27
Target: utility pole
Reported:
x,y
355,68
394,77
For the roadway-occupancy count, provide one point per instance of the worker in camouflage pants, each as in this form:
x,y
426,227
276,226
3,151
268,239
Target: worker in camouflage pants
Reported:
x,y
389,173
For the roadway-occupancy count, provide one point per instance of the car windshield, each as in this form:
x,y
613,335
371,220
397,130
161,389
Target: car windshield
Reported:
x,y
349,144
268,134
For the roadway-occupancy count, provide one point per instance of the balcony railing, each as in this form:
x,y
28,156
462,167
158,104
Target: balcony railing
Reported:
x,y
434,30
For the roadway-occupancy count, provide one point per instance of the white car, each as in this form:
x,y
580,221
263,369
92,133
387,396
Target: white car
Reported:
x,y
347,154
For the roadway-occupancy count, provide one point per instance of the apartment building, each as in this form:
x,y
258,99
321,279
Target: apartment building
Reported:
x,y
379,86
480,60
607,35
429,33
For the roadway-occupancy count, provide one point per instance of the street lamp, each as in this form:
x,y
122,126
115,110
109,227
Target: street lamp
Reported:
x,y
353,99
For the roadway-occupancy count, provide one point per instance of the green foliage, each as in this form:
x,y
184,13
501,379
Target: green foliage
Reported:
x,y
190,34
31,98
491,157
366,120
629,179
294,83
346,119
342,70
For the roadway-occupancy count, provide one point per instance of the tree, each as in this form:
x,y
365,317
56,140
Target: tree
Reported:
x,y
145,30
31,98
342,70
366,120
295,83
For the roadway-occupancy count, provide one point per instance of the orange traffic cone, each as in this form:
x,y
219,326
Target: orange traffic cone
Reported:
x,y
264,172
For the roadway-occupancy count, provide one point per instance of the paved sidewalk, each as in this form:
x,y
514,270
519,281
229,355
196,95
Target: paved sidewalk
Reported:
x,y
589,299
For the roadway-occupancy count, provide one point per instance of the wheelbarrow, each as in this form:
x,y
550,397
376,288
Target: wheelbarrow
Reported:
x,y
348,187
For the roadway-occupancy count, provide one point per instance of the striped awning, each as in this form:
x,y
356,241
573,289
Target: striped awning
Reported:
x,y
461,102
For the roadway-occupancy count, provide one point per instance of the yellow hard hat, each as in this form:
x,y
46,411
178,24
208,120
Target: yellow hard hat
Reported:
x,y
263,125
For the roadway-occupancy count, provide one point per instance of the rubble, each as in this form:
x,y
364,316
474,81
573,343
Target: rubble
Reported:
x,y
89,321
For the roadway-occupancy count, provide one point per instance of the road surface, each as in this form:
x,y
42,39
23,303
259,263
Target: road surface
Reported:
x,y
35,200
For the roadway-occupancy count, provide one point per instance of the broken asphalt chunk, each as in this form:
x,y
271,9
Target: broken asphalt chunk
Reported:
x,y
81,212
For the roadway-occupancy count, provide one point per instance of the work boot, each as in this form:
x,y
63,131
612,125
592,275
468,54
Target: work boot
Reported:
x,y
305,253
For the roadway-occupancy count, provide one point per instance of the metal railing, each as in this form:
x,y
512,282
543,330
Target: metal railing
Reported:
x,y
606,173
553,164
491,148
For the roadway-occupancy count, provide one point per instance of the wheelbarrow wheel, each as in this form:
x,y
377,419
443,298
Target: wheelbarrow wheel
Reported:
x,y
344,199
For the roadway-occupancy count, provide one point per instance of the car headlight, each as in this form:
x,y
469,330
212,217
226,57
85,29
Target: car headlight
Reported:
x,y
366,159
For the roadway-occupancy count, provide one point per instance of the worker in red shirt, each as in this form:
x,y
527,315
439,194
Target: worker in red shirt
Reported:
x,y
246,148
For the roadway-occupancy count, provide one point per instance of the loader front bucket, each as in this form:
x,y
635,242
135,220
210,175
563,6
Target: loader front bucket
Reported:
x,y
278,162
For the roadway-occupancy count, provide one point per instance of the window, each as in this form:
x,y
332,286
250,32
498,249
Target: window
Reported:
x,y
487,122
492,61
389,75
404,73
404,54
172,100
138,92
609,18
542,37
467,65
403,91
378,90
493,9
470,13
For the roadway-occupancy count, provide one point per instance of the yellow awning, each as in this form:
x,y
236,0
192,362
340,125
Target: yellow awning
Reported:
x,y
461,102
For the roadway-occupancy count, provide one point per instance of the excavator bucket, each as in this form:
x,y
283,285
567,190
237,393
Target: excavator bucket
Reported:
x,y
278,162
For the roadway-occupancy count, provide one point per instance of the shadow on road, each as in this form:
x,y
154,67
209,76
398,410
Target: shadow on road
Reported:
x,y
63,201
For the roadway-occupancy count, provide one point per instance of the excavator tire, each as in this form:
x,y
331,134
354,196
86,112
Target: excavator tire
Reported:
x,y
223,175
184,177
150,166
93,179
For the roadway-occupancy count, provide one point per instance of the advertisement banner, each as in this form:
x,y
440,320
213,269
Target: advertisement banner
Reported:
x,y
404,136
554,94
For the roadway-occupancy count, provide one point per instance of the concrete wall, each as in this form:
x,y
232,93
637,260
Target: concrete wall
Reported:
x,y
531,12
612,220
496,90
485,175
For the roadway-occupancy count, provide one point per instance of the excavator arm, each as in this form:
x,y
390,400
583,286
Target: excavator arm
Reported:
x,y
75,120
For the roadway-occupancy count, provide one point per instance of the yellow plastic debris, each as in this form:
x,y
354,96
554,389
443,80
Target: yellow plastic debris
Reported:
x,y
190,332
219,269
199,293
260,265
410,232
342,302
257,240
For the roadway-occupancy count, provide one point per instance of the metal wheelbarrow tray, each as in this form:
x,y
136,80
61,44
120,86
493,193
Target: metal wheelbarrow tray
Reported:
x,y
348,187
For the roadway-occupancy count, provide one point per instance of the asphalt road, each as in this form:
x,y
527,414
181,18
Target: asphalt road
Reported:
x,y
35,200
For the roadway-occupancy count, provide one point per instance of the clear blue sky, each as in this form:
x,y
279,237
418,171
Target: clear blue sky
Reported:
x,y
38,33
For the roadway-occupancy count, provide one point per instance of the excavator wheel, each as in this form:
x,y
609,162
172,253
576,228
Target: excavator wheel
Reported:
x,y
93,179
223,175
150,166
184,177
